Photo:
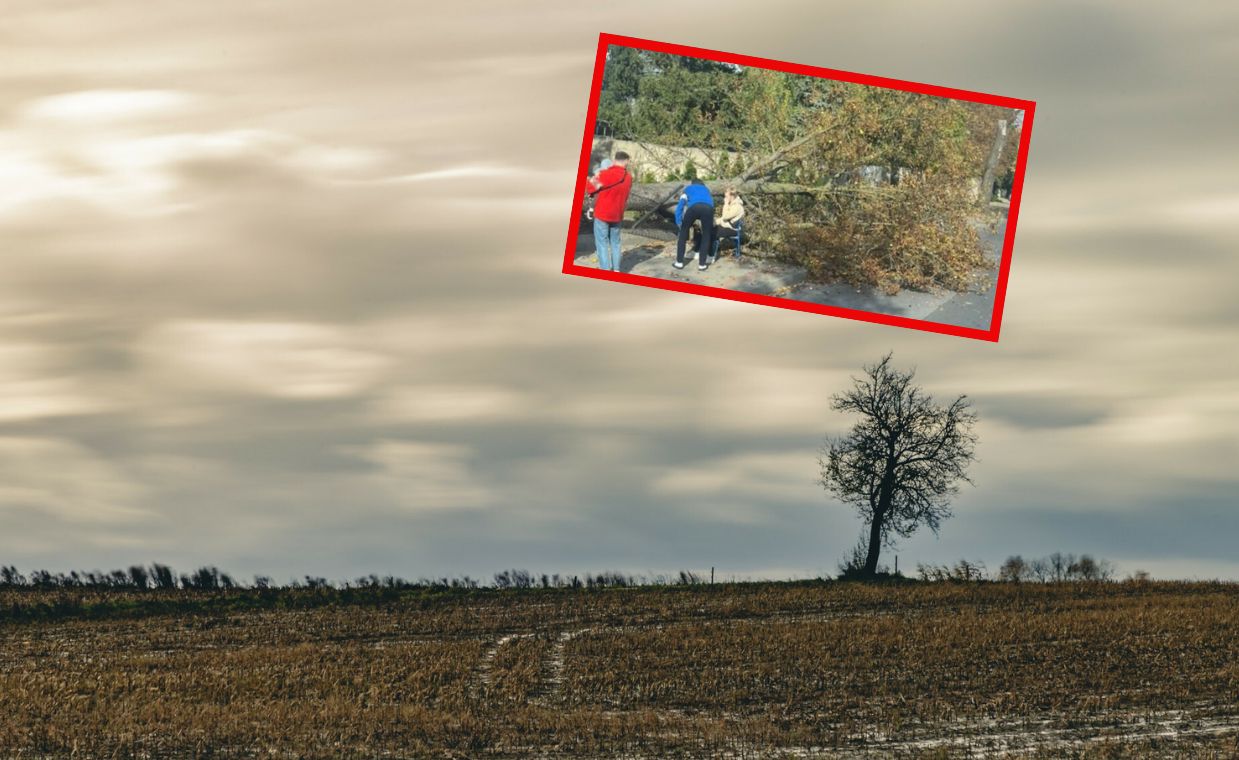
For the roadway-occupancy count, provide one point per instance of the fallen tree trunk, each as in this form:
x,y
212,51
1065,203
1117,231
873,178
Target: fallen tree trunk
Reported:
x,y
656,195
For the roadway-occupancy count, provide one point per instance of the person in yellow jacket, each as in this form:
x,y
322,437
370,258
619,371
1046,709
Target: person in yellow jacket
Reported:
x,y
732,213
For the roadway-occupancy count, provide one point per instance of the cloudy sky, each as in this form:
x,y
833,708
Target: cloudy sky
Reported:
x,y
282,293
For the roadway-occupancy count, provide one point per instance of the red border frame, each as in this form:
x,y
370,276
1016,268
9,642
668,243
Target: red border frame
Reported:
x,y
1017,186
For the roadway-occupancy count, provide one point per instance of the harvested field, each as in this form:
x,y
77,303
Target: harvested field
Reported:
x,y
747,670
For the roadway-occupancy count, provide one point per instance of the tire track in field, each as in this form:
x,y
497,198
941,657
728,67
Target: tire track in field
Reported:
x,y
993,738
550,691
997,739
483,672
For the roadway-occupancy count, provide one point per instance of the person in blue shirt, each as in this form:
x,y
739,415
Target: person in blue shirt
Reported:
x,y
696,205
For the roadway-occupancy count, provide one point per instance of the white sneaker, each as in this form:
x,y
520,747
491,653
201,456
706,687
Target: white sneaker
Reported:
x,y
678,264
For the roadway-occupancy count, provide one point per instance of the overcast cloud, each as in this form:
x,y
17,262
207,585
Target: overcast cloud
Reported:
x,y
282,294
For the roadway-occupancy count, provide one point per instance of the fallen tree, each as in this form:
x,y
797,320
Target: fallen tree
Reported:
x,y
919,233
647,197
871,186
652,196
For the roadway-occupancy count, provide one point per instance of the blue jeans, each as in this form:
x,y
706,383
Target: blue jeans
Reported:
x,y
607,241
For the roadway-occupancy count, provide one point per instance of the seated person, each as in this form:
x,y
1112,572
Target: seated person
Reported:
x,y
732,213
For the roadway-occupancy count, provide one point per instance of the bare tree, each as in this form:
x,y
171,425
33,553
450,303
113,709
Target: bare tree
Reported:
x,y
1060,564
1015,570
9,576
903,459
968,571
139,577
1086,568
163,576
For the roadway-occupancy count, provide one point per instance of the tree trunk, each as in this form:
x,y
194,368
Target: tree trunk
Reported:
x,y
991,165
886,494
655,195
651,197
875,546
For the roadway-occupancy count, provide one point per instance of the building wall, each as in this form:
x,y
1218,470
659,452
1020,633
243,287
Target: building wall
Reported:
x,y
658,160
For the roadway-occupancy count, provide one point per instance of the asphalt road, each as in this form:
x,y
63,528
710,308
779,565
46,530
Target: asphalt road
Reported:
x,y
976,307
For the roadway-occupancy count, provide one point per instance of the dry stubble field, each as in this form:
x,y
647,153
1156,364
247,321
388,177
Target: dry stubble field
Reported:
x,y
747,670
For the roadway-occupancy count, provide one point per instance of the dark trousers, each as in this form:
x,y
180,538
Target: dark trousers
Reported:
x,y
725,233
698,212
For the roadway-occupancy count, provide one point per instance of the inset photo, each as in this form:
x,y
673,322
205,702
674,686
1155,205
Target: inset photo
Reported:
x,y
799,187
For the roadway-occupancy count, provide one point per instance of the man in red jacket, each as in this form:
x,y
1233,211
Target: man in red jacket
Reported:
x,y
610,188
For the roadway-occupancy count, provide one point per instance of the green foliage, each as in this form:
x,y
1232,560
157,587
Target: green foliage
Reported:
x,y
683,107
623,73
658,97
690,170
766,104
620,84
